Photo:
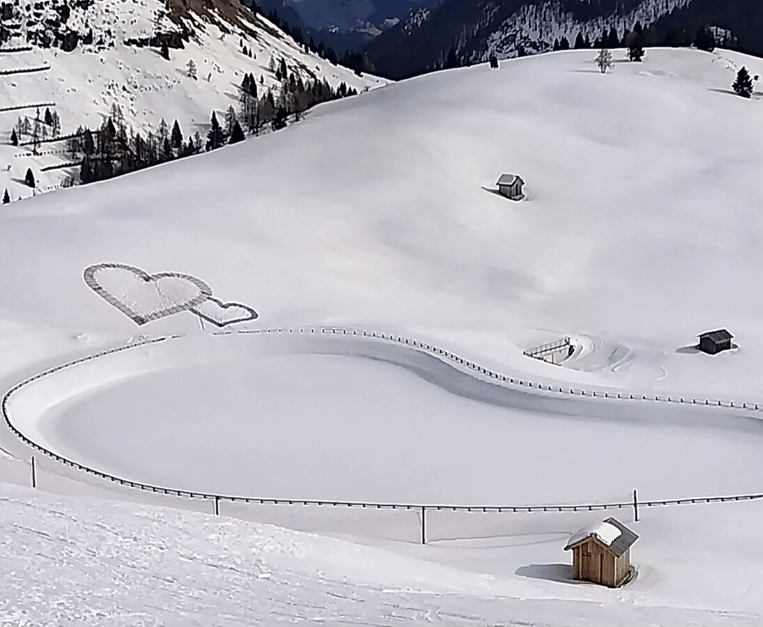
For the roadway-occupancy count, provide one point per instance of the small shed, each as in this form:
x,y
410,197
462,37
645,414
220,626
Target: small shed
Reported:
x,y
601,553
714,342
510,185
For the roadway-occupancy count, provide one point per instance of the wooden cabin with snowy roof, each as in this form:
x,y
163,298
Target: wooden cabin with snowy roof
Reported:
x,y
714,342
601,553
510,186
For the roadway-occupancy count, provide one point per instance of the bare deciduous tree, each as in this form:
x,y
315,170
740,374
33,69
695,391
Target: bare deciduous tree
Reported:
x,y
604,60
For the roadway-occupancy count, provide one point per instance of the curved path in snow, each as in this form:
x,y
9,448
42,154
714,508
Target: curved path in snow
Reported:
x,y
439,366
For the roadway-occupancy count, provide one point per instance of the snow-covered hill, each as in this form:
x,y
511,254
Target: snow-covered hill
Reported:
x,y
111,64
640,228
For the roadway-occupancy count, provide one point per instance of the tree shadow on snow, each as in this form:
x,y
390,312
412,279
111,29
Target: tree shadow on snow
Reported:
x,y
723,91
563,573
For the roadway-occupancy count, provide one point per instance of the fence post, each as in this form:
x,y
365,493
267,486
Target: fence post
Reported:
x,y
34,473
635,506
423,525
217,506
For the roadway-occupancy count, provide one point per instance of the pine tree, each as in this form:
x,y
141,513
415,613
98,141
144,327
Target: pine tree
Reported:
x,y
452,60
36,133
612,39
55,124
564,44
215,136
704,40
743,83
29,178
248,101
14,138
165,51
279,119
636,48
6,197
237,134
230,120
164,130
167,153
579,42
48,117
190,71
177,136
88,143
604,60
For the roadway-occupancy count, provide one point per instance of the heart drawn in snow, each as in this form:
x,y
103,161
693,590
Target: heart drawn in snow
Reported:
x,y
144,297
222,314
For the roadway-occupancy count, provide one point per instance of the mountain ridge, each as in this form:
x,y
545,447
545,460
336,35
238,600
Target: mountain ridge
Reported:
x,y
475,30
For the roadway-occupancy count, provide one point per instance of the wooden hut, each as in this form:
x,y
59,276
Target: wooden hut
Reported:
x,y
714,342
510,185
601,553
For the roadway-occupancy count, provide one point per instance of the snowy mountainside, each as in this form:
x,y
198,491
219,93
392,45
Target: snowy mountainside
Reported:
x,y
115,61
640,228
324,18
476,29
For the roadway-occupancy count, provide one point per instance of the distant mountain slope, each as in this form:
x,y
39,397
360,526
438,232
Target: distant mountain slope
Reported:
x,y
477,28
339,24
81,59
742,18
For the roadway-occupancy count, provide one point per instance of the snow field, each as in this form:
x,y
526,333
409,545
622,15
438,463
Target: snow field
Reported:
x,y
138,564
641,229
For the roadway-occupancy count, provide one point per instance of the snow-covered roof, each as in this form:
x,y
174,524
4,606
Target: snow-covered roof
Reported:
x,y
508,179
611,533
720,335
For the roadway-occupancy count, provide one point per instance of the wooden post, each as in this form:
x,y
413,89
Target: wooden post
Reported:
x,y
423,525
34,473
217,506
635,506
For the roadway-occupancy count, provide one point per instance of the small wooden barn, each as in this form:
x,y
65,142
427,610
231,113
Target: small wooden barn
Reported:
x,y
510,185
601,553
714,342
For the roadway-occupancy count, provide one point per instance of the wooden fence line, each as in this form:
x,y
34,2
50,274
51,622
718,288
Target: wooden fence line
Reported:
x,y
16,49
68,164
27,106
368,505
25,70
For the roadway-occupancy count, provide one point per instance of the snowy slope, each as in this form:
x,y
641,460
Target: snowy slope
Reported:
x,y
640,229
84,84
88,561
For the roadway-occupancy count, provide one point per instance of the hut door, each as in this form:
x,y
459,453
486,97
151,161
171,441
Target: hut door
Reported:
x,y
586,570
